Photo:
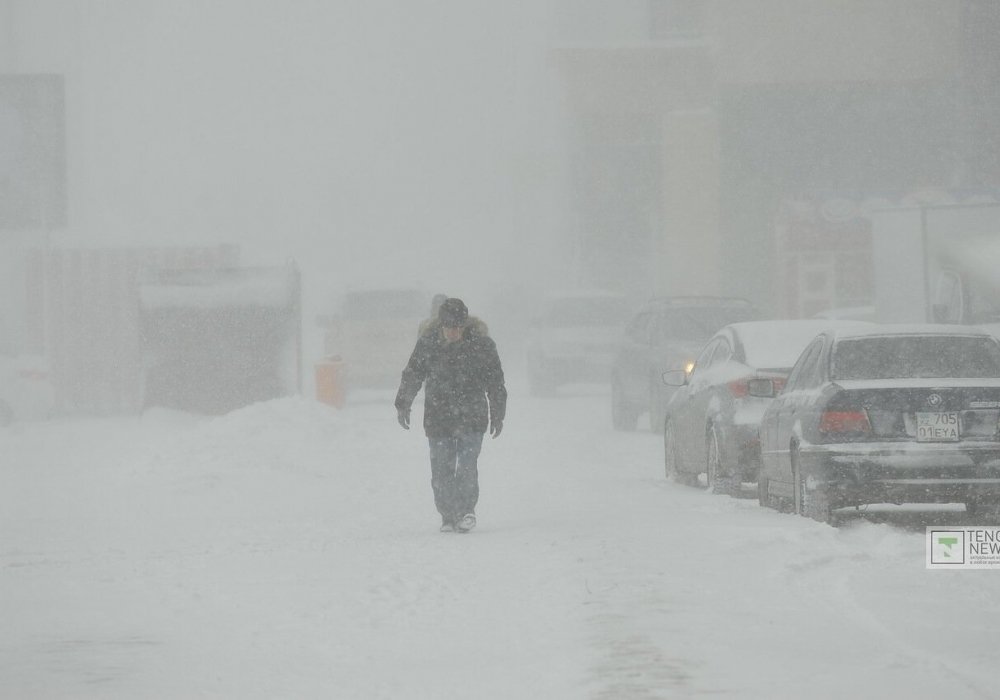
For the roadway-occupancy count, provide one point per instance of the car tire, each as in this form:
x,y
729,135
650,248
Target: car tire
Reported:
x,y
723,484
674,465
623,416
669,452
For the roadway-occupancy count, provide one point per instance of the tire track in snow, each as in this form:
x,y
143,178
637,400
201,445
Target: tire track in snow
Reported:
x,y
832,583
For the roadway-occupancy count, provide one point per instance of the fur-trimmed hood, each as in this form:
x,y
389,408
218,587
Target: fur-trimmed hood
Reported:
x,y
474,326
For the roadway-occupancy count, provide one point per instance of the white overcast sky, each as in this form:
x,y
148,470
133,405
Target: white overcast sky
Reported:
x,y
375,142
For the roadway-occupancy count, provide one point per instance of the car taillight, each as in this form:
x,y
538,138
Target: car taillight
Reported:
x,y
738,388
844,422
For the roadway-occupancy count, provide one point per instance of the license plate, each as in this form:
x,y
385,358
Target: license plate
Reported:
x,y
937,427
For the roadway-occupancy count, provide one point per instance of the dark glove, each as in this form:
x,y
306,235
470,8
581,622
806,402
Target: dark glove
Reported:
x,y
403,416
496,426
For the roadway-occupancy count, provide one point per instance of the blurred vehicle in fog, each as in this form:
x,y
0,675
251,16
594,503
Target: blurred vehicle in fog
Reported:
x,y
664,334
712,419
891,414
373,333
573,337
216,340
26,391
937,264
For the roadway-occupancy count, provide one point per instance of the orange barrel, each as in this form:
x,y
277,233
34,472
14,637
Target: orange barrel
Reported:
x,y
330,387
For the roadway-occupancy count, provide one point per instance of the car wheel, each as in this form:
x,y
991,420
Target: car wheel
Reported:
x,y
718,481
623,416
669,452
673,466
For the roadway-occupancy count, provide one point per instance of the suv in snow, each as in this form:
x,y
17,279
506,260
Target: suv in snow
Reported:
x,y
665,333
573,338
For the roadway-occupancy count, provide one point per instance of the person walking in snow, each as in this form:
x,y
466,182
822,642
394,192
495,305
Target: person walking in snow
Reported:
x,y
464,393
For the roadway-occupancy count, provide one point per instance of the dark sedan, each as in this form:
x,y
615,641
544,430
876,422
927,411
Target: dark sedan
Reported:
x,y
888,415
712,419
664,333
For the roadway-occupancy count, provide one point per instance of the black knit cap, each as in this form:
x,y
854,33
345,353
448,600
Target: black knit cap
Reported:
x,y
453,313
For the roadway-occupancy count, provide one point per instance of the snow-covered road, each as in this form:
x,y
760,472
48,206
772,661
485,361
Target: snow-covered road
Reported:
x,y
289,550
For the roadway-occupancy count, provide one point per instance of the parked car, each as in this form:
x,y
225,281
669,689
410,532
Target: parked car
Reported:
x,y
712,419
886,415
374,332
573,338
26,391
665,333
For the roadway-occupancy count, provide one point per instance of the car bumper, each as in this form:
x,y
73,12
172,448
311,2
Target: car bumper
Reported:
x,y
855,474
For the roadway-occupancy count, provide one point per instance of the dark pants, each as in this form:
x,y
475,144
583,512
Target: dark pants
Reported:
x,y
455,474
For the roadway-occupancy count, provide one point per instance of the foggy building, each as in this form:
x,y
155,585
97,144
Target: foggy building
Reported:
x,y
693,120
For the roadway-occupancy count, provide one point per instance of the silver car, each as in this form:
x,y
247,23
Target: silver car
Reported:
x,y
573,338
889,415
713,418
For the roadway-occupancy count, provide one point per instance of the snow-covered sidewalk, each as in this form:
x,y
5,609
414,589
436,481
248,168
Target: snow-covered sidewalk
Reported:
x,y
289,550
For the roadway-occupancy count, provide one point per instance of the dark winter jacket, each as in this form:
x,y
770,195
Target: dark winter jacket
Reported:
x,y
463,381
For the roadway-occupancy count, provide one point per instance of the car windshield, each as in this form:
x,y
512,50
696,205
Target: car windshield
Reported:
x,y
914,357
701,323
385,304
595,311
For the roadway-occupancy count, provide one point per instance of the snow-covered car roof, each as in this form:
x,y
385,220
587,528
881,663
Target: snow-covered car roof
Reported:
x,y
778,344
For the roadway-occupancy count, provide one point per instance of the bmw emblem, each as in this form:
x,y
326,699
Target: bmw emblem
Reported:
x,y
934,400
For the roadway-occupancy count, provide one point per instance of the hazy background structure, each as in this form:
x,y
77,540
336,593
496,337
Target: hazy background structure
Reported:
x,y
495,150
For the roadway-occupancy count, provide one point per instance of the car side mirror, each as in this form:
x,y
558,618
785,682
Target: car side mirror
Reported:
x,y
761,388
675,377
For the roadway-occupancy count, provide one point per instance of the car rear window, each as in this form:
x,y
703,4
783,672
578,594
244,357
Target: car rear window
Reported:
x,y
914,357
700,323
